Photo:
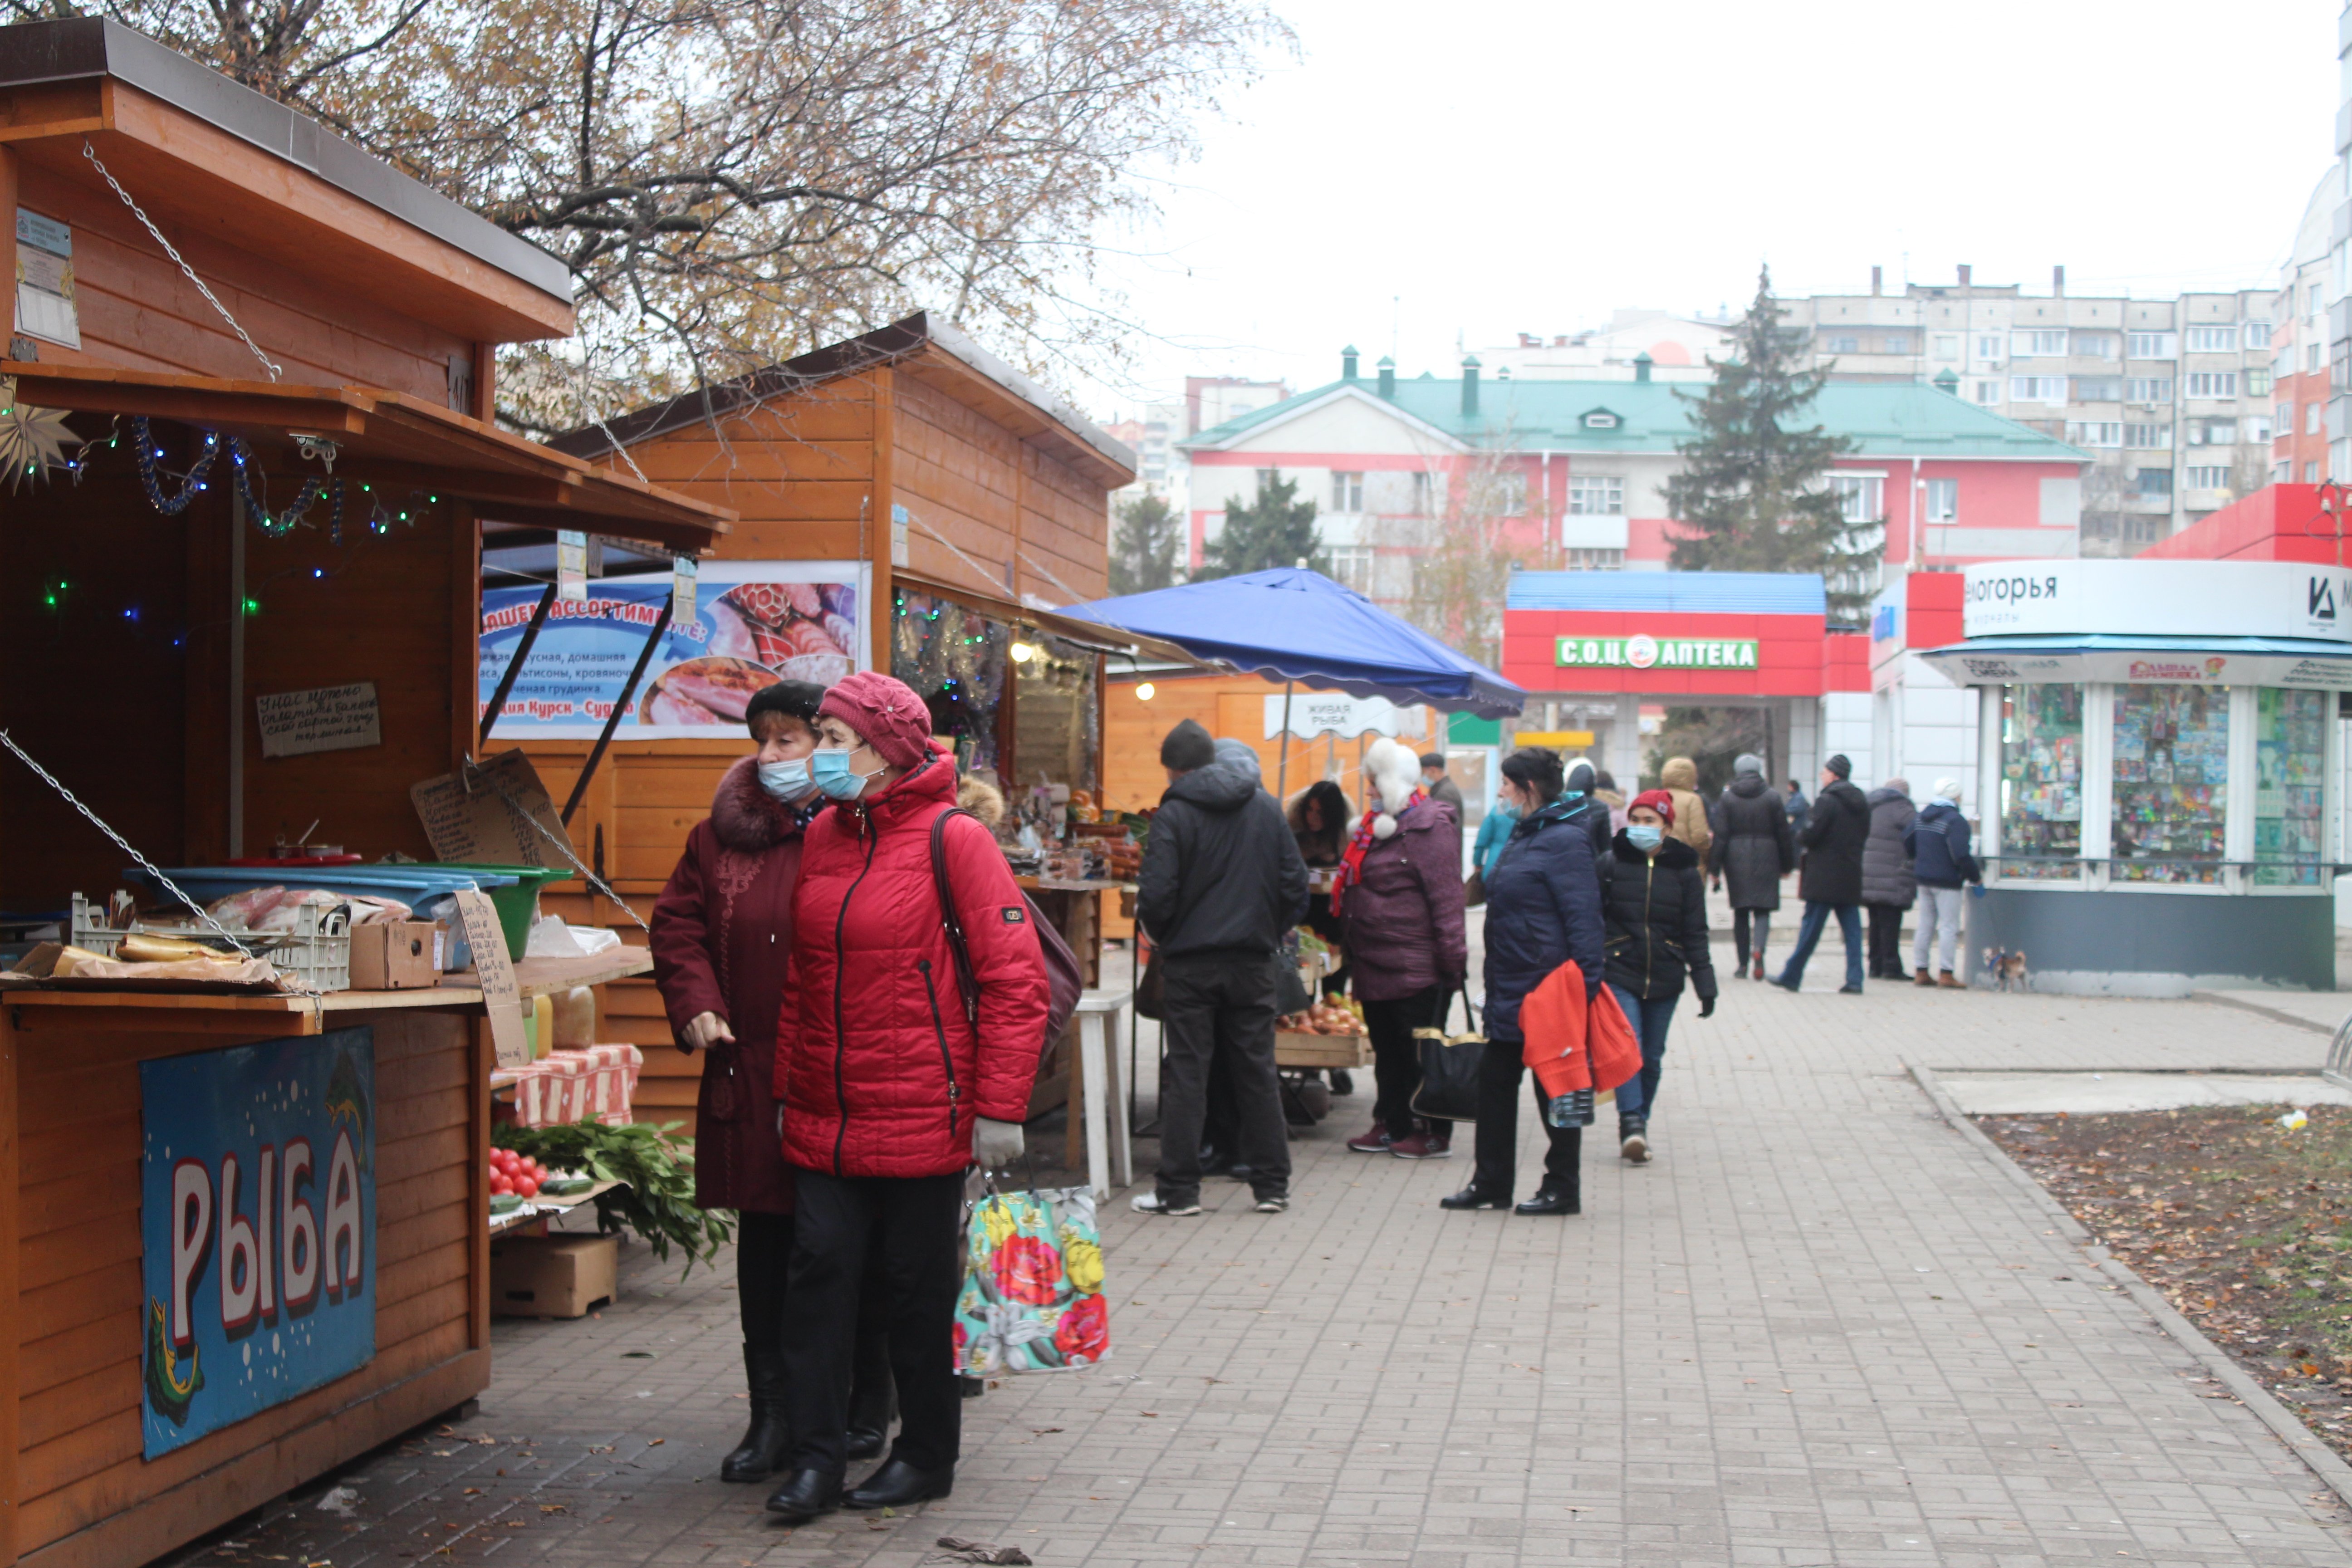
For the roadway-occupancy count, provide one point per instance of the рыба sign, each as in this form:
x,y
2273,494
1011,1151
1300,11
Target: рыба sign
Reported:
x,y
1642,651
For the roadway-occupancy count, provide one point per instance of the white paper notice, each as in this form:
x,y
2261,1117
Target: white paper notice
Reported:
x,y
571,565
44,280
325,719
494,972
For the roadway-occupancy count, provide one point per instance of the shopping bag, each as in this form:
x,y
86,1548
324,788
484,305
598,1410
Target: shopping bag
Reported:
x,y
1448,1089
1032,1284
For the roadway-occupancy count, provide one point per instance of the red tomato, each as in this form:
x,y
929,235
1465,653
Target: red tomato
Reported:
x,y
498,1183
501,1159
528,1188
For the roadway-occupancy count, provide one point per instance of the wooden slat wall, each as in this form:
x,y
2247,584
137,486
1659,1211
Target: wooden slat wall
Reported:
x,y
80,1330
138,309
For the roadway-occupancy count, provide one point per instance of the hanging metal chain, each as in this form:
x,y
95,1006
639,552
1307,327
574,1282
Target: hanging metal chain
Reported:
x,y
90,153
474,772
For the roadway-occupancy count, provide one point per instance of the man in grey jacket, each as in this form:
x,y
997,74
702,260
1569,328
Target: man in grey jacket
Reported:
x,y
1222,884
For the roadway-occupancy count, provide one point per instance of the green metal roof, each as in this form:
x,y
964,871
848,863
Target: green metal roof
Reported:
x,y
1898,419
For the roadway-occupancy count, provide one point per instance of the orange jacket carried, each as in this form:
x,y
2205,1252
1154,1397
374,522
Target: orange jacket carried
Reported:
x,y
1572,1044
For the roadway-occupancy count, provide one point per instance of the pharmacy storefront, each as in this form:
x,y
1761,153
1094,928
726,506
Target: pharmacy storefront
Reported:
x,y
2157,757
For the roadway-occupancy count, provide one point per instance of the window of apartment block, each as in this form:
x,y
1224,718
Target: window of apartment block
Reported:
x,y
1347,492
2285,416
1862,497
1351,565
2283,365
2280,473
1947,345
2314,414
2257,427
2037,388
1511,494
2152,481
2258,384
2316,357
1267,478
2149,438
2209,477
2311,473
2150,345
2257,334
2095,345
2037,342
2212,339
1596,560
1989,347
1848,345
2212,383
1897,343
1987,392
2213,432
2339,364
1596,495
2148,389
1943,500
2095,433
2097,389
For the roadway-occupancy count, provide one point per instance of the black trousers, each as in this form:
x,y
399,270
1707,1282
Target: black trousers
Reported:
x,y
910,1232
1886,941
1396,1060
1499,1071
1219,1007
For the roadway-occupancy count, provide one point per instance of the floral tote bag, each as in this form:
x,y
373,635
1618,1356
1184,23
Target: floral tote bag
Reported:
x,y
1033,1287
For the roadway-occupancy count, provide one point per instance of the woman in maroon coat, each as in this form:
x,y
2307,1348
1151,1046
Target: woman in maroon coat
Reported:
x,y
722,933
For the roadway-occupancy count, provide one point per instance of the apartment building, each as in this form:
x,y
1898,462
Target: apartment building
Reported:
x,y
2172,398
2299,371
1152,433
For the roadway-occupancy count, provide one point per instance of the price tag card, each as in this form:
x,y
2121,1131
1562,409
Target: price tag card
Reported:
x,y
495,974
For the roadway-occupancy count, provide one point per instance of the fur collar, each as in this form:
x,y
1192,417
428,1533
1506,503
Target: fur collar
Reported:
x,y
747,818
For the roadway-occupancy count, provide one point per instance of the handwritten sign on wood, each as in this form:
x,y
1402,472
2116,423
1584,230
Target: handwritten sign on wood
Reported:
x,y
495,974
484,815
324,718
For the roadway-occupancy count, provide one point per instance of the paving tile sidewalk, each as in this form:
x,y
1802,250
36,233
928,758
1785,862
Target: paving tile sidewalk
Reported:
x,y
1821,1329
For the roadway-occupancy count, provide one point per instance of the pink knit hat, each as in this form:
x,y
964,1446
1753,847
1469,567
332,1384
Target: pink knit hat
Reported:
x,y
886,713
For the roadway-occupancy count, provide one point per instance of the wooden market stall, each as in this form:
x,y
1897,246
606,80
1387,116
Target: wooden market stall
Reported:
x,y
969,498
196,545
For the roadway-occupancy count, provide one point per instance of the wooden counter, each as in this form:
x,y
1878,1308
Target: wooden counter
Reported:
x,y
72,1372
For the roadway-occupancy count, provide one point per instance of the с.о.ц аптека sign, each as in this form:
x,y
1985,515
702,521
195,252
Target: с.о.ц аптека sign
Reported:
x,y
1642,651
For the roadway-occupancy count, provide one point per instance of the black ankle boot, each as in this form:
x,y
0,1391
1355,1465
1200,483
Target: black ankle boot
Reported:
x,y
762,1451
872,1403
1549,1199
803,1495
899,1483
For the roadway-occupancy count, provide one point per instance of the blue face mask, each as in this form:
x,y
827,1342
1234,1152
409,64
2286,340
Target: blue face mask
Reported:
x,y
833,774
1510,809
1645,836
787,780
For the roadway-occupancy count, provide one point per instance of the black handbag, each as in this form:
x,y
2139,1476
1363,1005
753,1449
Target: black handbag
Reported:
x,y
1448,1090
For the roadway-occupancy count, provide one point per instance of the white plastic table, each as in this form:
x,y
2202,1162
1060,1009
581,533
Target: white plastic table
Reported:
x,y
1110,1155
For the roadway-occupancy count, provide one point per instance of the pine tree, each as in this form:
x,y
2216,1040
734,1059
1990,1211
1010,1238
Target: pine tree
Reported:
x,y
1753,494
1276,529
1146,548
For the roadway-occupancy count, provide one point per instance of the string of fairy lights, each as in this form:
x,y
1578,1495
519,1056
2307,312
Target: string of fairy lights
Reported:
x,y
324,504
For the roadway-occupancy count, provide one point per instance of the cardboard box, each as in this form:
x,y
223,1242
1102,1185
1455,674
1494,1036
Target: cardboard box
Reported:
x,y
554,1276
401,955
1295,1049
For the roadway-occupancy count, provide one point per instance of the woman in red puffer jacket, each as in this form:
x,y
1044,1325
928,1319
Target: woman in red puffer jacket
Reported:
x,y
891,1091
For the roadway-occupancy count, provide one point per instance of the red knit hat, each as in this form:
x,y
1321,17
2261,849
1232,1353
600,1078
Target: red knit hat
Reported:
x,y
886,713
1657,800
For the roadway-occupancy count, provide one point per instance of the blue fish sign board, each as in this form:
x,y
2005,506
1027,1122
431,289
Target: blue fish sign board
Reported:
x,y
257,1220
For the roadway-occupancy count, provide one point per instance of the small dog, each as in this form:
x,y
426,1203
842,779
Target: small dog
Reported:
x,y
2005,971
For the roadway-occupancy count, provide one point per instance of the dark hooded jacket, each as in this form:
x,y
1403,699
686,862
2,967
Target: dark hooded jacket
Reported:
x,y
1543,908
1833,836
1222,874
722,934
1655,911
1754,845
1885,861
1939,841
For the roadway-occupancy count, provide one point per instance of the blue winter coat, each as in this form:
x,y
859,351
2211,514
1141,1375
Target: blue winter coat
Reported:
x,y
1937,840
1543,908
1493,834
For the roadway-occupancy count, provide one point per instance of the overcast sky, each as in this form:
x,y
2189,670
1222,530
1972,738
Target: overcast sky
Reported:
x,y
1480,169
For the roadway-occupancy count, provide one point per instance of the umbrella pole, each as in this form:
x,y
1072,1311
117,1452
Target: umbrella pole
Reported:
x,y
1282,766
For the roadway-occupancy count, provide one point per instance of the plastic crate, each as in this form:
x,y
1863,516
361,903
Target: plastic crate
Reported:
x,y
316,954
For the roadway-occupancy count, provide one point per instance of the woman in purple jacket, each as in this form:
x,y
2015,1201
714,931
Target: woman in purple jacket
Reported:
x,y
1400,896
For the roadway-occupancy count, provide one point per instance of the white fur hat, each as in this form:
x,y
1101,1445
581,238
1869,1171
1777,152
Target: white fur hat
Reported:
x,y
1391,772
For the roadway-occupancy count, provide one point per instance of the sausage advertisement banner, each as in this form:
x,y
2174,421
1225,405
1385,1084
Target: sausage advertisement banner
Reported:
x,y
755,623
258,1224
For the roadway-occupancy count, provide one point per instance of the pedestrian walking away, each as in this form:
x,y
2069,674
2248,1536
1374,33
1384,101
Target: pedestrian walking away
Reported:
x,y
1754,847
892,1089
1543,909
1587,800
1829,877
1605,792
1399,898
1653,915
1938,842
1887,887
723,931
1679,779
1222,882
